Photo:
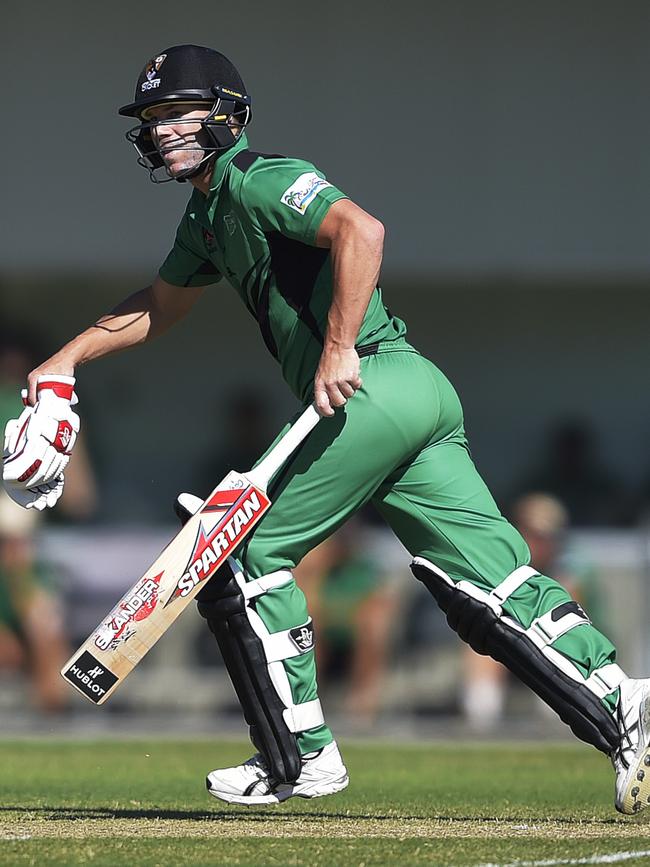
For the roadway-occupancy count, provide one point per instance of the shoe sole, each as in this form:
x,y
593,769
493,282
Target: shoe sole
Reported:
x,y
636,794
318,790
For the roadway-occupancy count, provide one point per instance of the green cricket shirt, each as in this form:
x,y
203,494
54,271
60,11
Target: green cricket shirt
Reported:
x,y
257,228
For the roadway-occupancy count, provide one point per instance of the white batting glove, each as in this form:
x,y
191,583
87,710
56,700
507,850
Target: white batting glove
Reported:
x,y
38,444
43,497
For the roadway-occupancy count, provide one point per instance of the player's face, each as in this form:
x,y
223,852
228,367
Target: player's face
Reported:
x,y
178,136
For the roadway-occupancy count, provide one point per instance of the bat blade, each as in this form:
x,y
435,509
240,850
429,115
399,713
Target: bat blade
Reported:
x,y
149,608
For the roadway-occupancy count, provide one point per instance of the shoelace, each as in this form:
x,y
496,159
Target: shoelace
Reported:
x,y
264,775
257,761
626,734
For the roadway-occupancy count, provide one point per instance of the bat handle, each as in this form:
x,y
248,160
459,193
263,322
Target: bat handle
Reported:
x,y
269,466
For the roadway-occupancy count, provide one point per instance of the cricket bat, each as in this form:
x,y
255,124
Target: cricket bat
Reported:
x,y
150,607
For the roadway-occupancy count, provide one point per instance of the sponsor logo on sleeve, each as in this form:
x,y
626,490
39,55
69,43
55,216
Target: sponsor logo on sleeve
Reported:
x,y
303,191
151,71
89,676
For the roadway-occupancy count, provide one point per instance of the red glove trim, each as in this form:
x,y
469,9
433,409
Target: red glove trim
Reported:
x,y
60,389
29,472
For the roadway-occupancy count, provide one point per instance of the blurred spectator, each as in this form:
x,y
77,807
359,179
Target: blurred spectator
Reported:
x,y
354,608
573,471
543,521
31,621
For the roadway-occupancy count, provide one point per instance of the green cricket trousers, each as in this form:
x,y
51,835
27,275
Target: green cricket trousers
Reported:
x,y
399,443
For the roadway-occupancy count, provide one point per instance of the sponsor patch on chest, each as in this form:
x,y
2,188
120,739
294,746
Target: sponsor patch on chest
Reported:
x,y
303,191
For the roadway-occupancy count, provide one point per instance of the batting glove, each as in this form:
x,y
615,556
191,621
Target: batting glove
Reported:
x,y
37,445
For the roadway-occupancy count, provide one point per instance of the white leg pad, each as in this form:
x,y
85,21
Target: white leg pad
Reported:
x,y
278,646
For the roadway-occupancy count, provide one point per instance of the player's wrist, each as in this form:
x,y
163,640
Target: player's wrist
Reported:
x,y
340,345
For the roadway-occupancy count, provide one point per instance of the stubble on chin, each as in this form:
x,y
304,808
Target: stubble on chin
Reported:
x,y
176,167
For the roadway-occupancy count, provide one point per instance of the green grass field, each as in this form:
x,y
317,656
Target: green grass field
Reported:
x,y
144,803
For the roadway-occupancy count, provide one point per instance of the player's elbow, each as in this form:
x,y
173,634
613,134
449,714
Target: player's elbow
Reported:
x,y
372,233
377,230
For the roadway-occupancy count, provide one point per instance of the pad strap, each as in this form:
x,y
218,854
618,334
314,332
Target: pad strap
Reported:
x,y
300,717
605,680
497,596
258,586
555,623
513,582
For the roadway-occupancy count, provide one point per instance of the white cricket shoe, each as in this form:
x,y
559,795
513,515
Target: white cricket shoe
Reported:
x,y
323,773
632,758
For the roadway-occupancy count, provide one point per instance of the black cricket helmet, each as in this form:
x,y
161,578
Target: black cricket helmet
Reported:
x,y
188,74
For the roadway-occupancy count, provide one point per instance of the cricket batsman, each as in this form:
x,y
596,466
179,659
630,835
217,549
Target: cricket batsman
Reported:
x,y
305,261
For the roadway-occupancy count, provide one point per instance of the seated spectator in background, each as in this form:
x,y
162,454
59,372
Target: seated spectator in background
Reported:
x,y
543,521
573,471
31,621
354,607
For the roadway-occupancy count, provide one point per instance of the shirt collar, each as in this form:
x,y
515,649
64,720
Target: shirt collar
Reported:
x,y
221,165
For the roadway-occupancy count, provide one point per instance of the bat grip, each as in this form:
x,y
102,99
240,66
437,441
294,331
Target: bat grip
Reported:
x,y
269,466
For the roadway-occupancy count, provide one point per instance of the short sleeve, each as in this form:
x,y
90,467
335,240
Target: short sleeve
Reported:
x,y
290,196
187,264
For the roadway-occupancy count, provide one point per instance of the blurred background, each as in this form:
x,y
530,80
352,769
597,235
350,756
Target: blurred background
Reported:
x,y
506,147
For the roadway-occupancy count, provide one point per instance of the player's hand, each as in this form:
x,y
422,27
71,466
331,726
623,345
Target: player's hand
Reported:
x,y
59,365
337,378
37,445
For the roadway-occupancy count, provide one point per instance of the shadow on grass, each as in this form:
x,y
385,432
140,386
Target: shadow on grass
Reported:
x,y
72,814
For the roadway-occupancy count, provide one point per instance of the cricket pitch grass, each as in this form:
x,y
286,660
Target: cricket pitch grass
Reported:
x,y
144,803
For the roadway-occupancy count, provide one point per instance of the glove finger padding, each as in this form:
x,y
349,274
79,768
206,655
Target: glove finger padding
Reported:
x,y
45,496
49,495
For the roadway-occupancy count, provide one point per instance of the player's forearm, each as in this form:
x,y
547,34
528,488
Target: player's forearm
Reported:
x,y
356,261
356,242
135,320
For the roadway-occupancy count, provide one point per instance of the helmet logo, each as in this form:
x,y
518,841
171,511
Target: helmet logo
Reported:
x,y
151,70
